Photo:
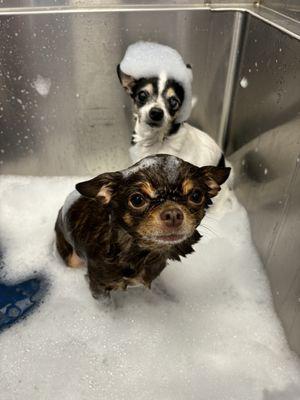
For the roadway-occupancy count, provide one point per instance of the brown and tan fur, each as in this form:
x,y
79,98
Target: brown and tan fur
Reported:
x,y
123,244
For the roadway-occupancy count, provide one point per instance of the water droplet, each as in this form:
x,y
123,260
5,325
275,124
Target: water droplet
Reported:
x,y
244,82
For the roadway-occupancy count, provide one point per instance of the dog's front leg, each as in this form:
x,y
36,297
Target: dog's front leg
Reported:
x,y
96,280
152,271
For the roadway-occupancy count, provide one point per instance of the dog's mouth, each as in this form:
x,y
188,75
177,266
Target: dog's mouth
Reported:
x,y
155,124
169,238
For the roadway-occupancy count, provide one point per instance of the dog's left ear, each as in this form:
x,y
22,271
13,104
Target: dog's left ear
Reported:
x,y
102,186
127,81
214,177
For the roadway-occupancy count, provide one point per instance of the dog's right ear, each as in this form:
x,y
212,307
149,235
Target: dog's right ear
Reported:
x,y
127,81
213,178
103,186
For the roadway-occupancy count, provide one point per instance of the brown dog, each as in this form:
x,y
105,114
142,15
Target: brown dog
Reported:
x,y
125,225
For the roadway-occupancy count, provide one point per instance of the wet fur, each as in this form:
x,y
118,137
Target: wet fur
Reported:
x,y
114,250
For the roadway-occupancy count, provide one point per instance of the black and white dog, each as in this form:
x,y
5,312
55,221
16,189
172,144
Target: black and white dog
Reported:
x,y
159,83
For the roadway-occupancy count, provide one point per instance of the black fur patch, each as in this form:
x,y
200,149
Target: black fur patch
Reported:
x,y
221,162
179,94
140,85
174,128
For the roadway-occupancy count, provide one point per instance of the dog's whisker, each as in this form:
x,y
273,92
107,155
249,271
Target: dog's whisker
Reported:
x,y
210,230
211,218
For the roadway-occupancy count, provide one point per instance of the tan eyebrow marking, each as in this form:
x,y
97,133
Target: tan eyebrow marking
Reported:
x,y
149,88
187,186
148,189
170,92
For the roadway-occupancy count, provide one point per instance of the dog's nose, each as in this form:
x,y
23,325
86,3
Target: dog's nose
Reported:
x,y
156,114
172,217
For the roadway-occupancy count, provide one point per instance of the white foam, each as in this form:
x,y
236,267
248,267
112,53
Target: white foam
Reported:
x,y
166,164
148,59
42,85
244,82
71,198
207,330
171,167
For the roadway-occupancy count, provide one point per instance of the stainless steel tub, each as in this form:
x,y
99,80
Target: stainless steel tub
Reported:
x,y
63,112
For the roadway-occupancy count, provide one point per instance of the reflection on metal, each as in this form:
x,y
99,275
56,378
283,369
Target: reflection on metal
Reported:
x,y
288,8
234,57
268,184
270,64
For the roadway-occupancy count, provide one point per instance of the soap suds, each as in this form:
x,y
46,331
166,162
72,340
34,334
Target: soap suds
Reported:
x,y
244,82
207,330
42,85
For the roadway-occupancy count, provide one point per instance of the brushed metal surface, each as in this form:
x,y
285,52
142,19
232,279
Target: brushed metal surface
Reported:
x,y
99,3
270,65
290,8
268,184
82,125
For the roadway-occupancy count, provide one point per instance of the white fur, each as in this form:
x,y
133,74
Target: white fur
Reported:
x,y
189,143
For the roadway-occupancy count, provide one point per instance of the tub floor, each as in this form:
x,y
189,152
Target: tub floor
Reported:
x,y
206,331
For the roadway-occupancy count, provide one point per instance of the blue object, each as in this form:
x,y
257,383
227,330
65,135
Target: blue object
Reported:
x,y
18,300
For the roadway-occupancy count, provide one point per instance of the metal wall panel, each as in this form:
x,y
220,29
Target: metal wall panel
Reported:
x,y
267,88
268,184
103,3
264,132
290,8
82,126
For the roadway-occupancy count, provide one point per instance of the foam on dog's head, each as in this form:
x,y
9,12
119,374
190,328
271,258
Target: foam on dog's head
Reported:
x,y
148,59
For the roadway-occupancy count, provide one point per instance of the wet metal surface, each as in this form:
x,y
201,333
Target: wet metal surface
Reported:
x,y
268,184
266,93
62,109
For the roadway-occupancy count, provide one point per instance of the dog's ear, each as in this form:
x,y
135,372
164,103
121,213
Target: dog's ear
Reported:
x,y
214,177
189,66
127,81
103,186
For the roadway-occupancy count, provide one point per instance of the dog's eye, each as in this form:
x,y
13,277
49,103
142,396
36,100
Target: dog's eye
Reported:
x,y
196,197
174,103
137,200
142,96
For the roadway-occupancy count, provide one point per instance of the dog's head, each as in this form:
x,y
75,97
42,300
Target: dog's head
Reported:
x,y
160,200
157,100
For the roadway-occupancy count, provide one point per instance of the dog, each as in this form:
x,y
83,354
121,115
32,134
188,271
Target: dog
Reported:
x,y
159,83
125,225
